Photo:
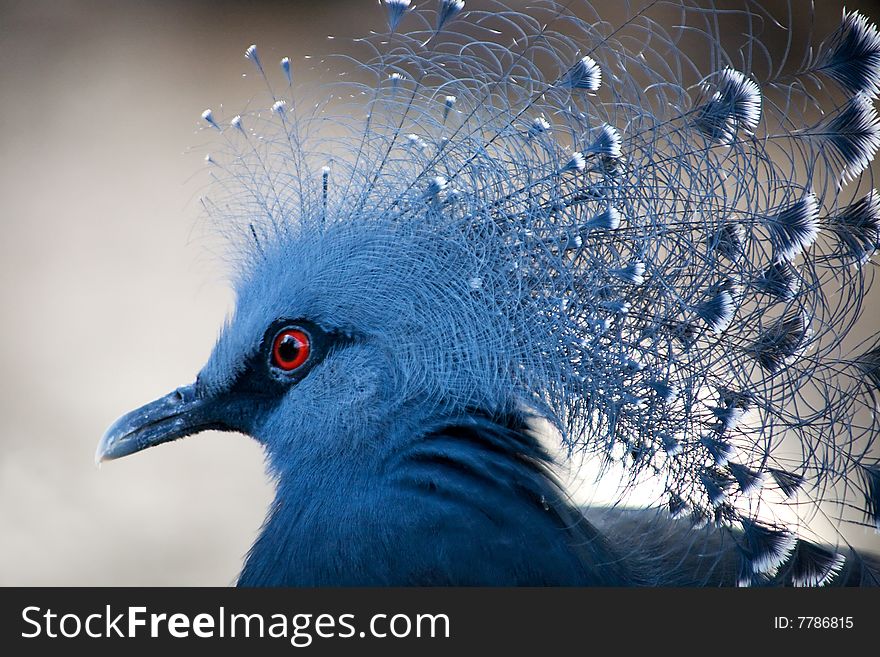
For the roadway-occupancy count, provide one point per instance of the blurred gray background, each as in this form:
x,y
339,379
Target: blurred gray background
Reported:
x,y
109,295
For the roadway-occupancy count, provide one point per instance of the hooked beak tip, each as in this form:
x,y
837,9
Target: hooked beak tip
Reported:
x,y
101,453
177,414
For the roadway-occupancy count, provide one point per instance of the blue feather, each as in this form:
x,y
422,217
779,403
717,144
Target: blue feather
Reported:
x,y
782,342
766,547
748,480
858,227
633,273
585,74
607,143
779,280
729,240
720,450
208,116
852,55
448,10
788,482
735,106
728,416
285,68
677,506
714,483
850,138
794,228
254,57
665,392
814,565
670,445
396,9
717,312
609,219
448,104
575,163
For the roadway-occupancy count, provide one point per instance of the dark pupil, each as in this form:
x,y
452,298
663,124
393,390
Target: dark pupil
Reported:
x,y
289,348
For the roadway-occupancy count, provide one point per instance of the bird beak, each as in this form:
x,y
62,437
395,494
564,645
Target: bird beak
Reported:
x,y
177,414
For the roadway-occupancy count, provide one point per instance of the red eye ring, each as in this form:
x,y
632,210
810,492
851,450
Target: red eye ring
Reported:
x,y
291,349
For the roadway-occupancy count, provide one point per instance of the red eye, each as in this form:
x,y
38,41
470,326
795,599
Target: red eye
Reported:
x,y
290,349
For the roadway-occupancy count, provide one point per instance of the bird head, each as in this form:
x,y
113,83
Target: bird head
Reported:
x,y
339,331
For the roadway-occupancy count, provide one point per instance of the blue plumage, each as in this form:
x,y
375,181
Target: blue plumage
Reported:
x,y
508,220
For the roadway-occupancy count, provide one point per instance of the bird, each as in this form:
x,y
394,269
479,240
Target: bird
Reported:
x,y
503,240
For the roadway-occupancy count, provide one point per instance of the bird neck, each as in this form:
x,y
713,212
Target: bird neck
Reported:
x,y
467,501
